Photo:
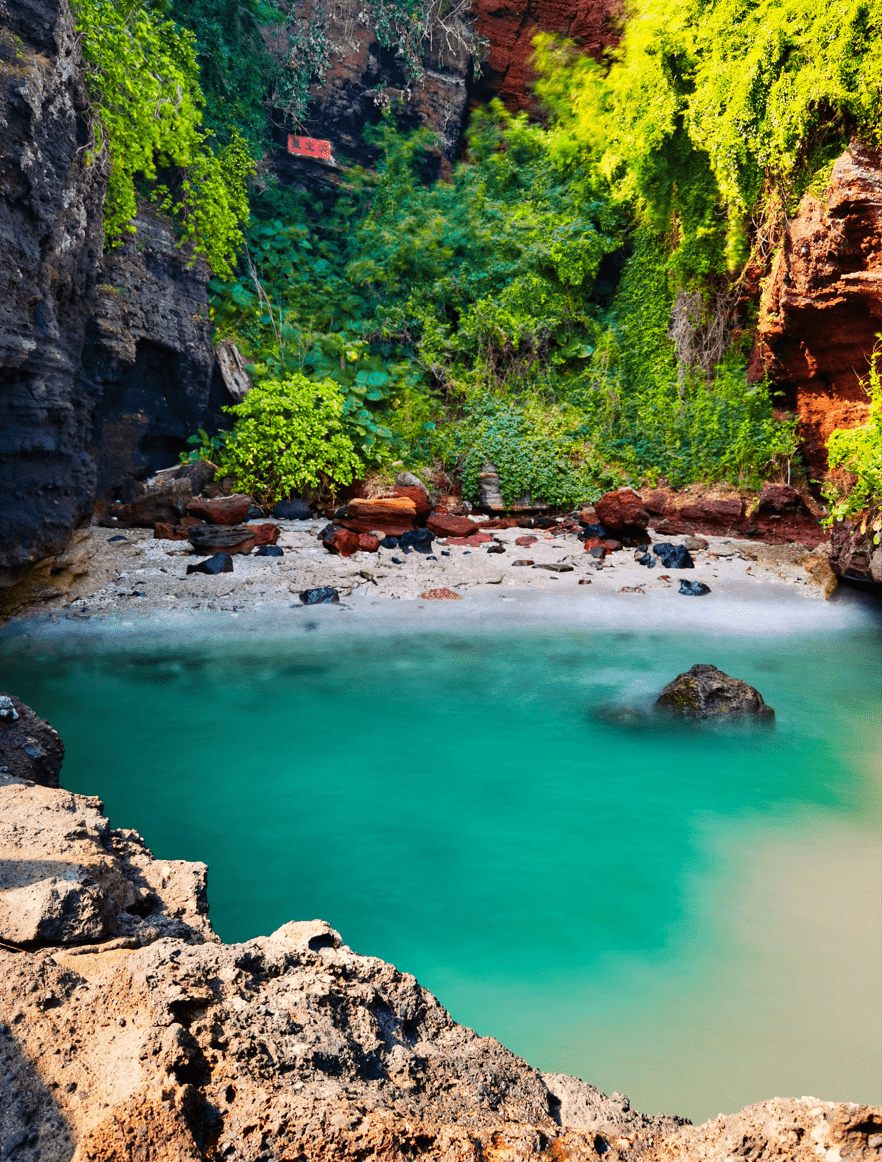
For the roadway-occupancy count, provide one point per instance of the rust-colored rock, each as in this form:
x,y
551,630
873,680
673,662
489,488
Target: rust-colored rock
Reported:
x,y
225,510
473,541
611,544
163,531
441,595
451,526
622,509
392,515
368,543
822,306
264,534
780,515
510,26
343,542
525,542
418,495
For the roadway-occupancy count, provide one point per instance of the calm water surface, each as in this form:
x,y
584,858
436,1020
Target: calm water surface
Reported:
x,y
689,917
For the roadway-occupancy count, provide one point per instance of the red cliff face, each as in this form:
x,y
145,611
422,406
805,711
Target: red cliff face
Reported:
x,y
822,306
510,25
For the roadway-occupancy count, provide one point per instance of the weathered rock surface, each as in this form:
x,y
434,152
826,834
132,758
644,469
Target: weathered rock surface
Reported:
x,y
29,747
707,693
623,512
392,515
854,554
164,497
822,306
452,526
149,364
780,515
223,510
66,878
222,538
51,236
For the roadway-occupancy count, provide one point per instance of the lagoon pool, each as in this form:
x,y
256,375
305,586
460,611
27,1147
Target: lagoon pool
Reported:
x,y
690,917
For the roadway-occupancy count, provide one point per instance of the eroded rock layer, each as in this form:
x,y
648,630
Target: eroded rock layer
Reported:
x,y
822,307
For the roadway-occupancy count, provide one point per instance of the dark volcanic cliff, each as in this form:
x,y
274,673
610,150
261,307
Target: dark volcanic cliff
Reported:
x,y
51,231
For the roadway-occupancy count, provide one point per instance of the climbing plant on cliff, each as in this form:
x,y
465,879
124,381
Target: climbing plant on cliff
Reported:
x,y
859,451
713,110
143,81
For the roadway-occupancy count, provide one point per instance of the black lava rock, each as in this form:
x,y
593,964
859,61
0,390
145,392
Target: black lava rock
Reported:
x,y
219,563
322,596
673,556
29,747
292,510
110,540
544,522
389,543
598,551
495,549
254,513
589,531
694,588
419,539
270,551
397,561
705,692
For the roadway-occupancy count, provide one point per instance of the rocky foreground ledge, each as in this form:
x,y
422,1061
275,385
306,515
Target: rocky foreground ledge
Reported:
x,y
130,1033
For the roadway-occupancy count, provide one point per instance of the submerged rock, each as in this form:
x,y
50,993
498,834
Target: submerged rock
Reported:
x,y
708,693
321,596
29,747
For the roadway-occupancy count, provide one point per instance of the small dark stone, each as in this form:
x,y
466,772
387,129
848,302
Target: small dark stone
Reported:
x,y
556,568
292,510
694,588
589,531
431,557
544,522
322,596
270,551
495,549
525,563
419,539
110,540
673,556
219,563
389,543
598,551
445,552
705,692
254,513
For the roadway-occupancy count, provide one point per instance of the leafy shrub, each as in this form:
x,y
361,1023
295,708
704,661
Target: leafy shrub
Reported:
x,y
288,435
859,451
143,81
535,447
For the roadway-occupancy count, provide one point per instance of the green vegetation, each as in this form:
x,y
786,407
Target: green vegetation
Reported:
x,y
288,436
859,452
143,80
562,304
716,113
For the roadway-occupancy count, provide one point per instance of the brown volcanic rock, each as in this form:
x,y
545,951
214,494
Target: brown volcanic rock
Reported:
x,y
509,26
822,306
224,510
392,515
342,542
622,509
418,495
780,515
452,526
221,538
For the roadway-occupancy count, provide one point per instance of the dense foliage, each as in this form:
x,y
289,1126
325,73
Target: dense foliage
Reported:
x,y
716,110
470,321
288,436
143,81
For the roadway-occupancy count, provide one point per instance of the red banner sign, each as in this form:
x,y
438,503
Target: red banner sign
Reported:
x,y
309,147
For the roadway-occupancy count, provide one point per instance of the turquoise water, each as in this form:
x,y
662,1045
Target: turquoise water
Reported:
x,y
688,917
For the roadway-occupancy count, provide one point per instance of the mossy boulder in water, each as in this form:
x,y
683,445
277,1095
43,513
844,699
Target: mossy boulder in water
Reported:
x,y
705,692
